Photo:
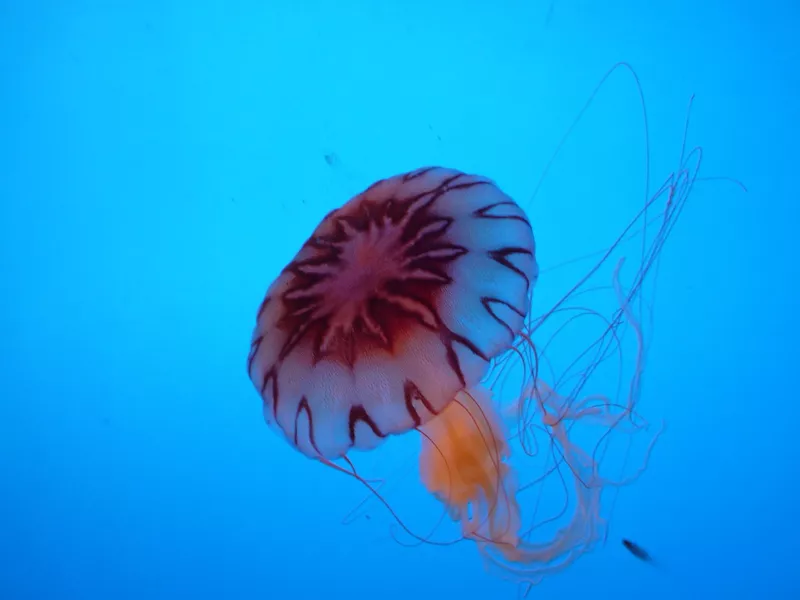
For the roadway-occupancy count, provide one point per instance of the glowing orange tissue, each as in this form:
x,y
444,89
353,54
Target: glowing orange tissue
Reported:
x,y
462,464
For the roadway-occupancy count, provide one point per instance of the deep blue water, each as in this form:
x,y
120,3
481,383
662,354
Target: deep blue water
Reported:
x,y
160,162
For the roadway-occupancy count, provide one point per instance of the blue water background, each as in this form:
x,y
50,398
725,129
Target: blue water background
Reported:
x,y
161,161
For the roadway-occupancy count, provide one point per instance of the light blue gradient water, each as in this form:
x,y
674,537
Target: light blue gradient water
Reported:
x,y
161,161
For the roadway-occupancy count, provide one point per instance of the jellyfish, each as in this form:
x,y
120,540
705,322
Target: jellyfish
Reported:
x,y
399,300
393,317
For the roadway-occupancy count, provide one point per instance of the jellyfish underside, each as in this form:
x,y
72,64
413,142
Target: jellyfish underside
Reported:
x,y
464,462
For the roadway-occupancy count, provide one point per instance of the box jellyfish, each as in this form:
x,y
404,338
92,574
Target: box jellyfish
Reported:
x,y
396,315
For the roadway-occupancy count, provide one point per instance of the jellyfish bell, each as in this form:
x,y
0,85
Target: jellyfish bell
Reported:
x,y
400,299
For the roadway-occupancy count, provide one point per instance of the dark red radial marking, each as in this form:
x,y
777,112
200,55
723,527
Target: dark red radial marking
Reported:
x,y
359,413
501,255
487,305
411,392
382,317
271,375
303,406
483,213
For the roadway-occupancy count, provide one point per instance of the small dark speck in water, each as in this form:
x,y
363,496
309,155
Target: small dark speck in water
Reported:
x,y
637,551
332,159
